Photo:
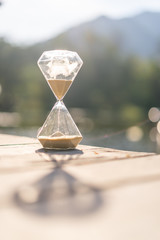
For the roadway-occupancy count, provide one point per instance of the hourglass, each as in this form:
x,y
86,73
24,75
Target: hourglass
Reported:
x,y
59,68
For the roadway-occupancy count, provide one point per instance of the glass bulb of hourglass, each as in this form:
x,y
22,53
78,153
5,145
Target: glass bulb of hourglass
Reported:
x,y
60,68
59,131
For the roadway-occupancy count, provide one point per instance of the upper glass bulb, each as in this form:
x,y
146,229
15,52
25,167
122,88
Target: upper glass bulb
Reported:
x,y
59,68
59,64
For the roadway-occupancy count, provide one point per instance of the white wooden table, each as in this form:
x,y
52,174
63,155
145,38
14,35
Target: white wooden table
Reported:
x,y
88,193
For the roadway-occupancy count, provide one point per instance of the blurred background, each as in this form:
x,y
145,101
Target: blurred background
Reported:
x,y
115,98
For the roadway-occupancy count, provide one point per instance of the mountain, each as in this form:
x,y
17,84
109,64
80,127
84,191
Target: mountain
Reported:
x,y
137,35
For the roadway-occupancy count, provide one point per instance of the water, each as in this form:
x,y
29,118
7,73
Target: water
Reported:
x,y
120,141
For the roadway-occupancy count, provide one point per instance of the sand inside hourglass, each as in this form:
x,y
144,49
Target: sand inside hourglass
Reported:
x,y
59,87
60,142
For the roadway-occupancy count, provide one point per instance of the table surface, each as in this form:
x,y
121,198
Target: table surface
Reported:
x,y
87,193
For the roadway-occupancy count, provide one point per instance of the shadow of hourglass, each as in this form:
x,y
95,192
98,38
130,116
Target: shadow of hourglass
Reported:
x,y
58,192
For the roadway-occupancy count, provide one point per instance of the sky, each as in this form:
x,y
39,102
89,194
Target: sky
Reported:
x,y
31,21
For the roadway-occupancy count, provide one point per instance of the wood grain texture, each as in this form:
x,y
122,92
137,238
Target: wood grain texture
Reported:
x,y
89,193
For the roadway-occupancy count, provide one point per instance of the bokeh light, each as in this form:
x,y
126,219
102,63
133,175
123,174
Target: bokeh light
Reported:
x,y
134,134
158,127
154,114
153,134
158,139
